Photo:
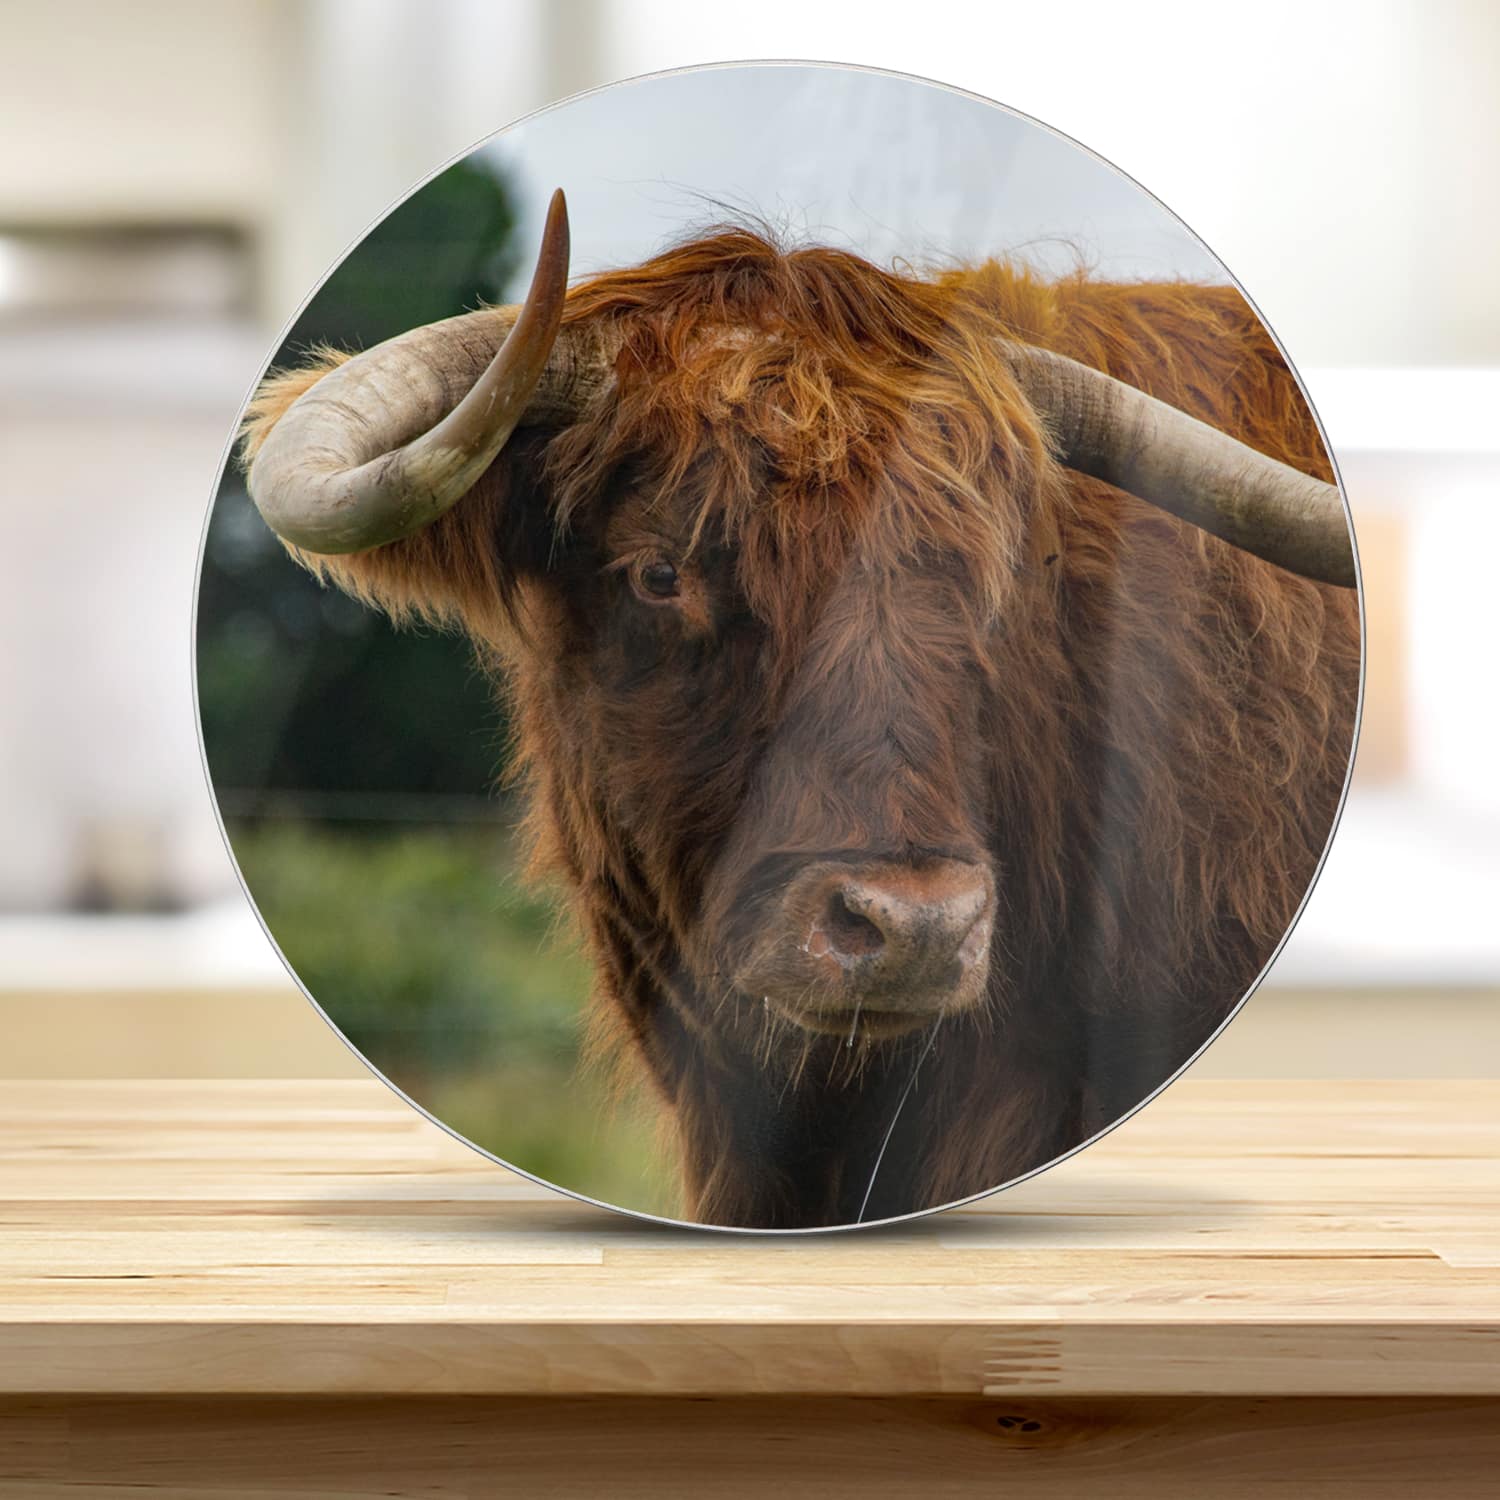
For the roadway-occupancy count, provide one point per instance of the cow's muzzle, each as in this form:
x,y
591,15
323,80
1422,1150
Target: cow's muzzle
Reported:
x,y
876,948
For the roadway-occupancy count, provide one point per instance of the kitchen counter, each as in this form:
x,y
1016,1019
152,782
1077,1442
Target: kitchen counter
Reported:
x,y
1246,1283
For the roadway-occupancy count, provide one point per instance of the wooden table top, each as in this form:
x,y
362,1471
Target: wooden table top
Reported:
x,y
252,1237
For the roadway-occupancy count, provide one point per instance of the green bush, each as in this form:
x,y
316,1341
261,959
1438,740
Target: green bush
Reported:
x,y
459,984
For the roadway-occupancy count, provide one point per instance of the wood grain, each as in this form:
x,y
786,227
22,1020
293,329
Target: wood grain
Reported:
x,y
319,1238
311,1449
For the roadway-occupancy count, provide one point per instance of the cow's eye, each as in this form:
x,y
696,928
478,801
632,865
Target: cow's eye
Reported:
x,y
658,580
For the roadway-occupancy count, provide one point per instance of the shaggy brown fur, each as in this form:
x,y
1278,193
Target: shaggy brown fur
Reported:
x,y
902,628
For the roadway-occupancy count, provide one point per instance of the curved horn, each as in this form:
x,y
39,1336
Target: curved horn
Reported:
x,y
382,445
1119,434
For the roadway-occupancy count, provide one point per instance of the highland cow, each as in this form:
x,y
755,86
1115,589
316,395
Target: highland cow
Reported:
x,y
935,694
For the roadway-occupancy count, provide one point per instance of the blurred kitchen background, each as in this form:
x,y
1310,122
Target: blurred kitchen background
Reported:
x,y
174,178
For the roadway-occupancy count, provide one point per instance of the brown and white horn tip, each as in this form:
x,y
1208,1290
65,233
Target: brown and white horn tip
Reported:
x,y
387,442
1113,431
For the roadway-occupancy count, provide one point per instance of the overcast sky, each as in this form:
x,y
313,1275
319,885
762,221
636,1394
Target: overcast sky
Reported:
x,y
883,165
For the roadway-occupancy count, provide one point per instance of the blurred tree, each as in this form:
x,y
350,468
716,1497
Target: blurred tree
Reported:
x,y
447,247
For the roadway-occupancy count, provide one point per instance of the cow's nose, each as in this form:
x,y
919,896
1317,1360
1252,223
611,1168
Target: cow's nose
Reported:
x,y
917,928
873,947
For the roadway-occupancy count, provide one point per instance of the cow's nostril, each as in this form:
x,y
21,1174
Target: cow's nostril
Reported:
x,y
918,921
853,945
849,933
